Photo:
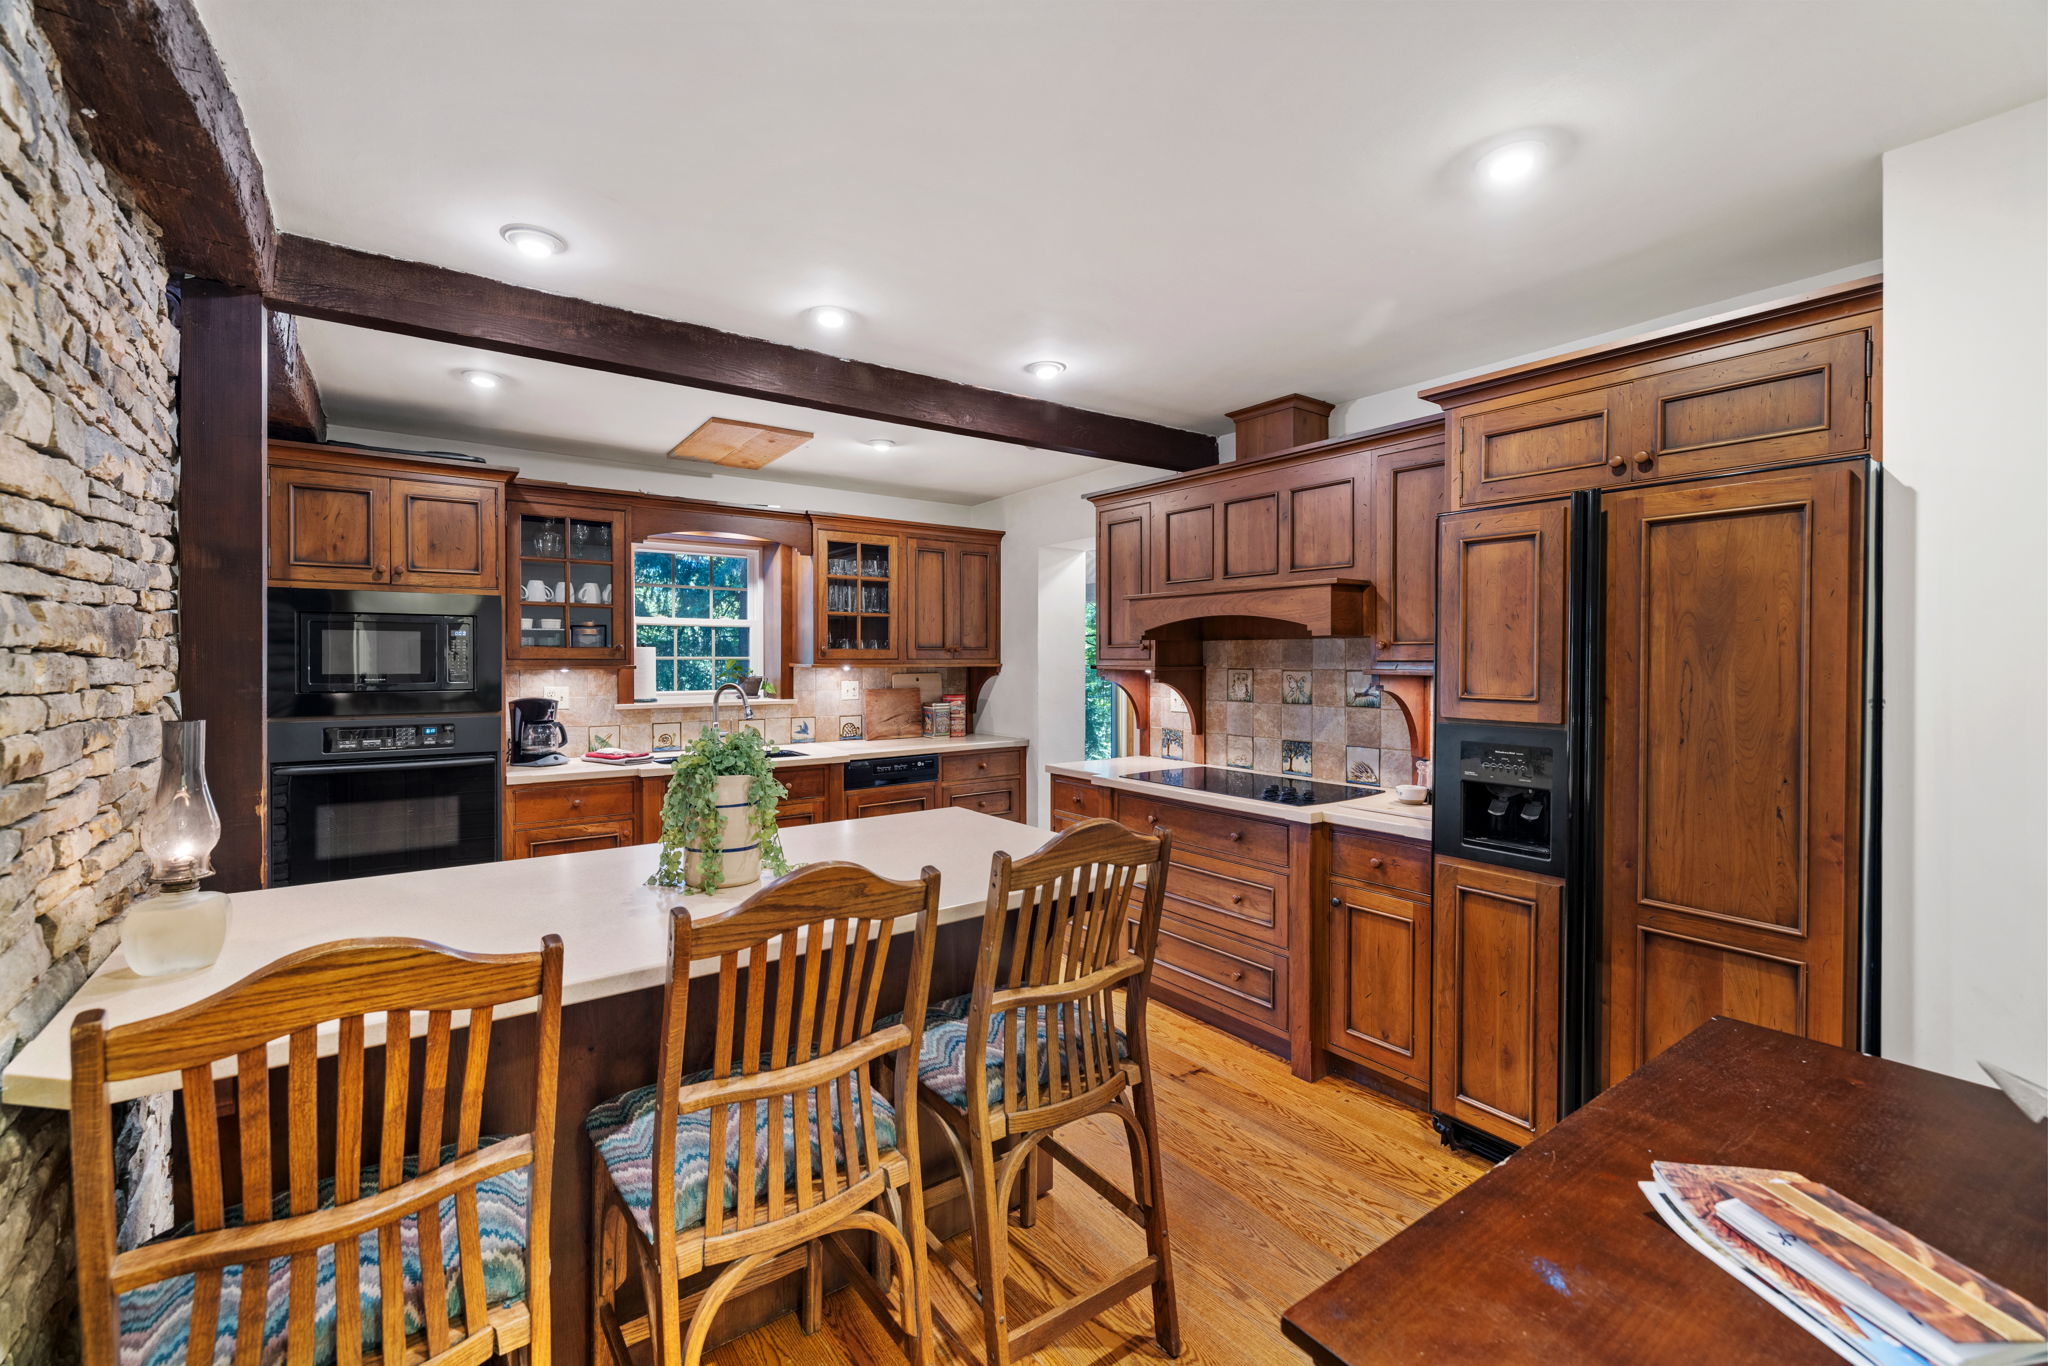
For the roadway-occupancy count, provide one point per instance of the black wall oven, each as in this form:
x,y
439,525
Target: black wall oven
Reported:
x,y
344,652
353,798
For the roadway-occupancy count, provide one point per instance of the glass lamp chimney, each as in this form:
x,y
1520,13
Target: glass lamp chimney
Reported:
x,y
182,826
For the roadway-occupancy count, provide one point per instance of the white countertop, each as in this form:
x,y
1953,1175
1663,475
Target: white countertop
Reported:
x,y
1385,813
814,752
614,927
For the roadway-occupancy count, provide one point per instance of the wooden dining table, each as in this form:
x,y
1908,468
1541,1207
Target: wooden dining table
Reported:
x,y
1555,1255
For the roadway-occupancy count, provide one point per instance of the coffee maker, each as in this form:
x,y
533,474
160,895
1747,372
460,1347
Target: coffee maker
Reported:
x,y
537,737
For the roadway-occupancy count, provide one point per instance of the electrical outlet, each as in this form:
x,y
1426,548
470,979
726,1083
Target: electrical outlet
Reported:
x,y
555,692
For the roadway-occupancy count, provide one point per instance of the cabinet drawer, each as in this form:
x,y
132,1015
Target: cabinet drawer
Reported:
x,y
806,783
1216,832
1243,978
575,838
1063,819
987,763
1225,896
805,812
1380,859
991,799
1078,800
546,803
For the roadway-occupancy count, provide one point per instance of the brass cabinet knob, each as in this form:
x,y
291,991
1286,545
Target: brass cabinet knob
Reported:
x,y
1643,459
1615,462
1376,862
1237,834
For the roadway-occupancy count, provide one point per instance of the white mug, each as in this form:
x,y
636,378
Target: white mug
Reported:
x,y
536,591
588,593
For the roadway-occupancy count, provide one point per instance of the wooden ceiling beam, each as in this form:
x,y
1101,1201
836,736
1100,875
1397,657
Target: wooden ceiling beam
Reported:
x,y
159,110
340,284
294,398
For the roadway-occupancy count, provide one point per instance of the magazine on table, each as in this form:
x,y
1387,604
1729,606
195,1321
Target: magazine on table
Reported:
x,y
1859,1283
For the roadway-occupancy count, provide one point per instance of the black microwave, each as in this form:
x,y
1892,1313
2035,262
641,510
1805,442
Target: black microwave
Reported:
x,y
343,652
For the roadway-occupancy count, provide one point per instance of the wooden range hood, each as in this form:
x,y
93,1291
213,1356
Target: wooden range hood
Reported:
x,y
1320,607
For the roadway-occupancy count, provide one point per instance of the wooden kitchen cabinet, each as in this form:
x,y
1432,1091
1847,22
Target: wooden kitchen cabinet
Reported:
x,y
571,817
1501,614
1407,494
1787,382
570,595
1496,944
808,796
1378,974
1123,570
955,588
858,588
890,801
1075,800
342,520
1732,777
990,781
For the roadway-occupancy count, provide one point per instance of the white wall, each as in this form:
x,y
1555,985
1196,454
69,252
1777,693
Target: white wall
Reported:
x,y
1966,546
716,488
1047,532
1368,411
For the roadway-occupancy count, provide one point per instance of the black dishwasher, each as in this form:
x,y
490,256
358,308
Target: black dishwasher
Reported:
x,y
862,774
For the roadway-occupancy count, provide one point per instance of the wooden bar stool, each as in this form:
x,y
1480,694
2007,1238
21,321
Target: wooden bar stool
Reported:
x,y
430,1250
1035,1047
762,1163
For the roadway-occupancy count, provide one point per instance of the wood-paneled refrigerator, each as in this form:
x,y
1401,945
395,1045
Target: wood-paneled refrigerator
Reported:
x,y
1655,753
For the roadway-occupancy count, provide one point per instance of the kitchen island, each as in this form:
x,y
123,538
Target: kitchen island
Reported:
x,y
615,939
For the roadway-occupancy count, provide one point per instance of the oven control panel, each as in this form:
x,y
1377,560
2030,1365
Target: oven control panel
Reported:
x,y
379,739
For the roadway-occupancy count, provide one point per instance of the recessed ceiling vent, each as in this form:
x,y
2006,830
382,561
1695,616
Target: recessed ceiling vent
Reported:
x,y
742,445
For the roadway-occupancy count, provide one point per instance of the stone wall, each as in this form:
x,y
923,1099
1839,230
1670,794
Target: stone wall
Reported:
x,y
88,474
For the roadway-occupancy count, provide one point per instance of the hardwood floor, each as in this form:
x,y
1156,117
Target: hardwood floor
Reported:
x,y
1274,1185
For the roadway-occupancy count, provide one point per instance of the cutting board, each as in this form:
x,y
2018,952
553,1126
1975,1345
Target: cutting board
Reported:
x,y
891,713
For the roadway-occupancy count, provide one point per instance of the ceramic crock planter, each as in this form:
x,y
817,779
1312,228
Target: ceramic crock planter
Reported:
x,y
718,824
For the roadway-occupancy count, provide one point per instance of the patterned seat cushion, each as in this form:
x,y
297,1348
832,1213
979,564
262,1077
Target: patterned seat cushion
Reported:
x,y
942,1061
623,1131
155,1319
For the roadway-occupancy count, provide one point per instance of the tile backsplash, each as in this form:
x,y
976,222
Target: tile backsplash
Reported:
x,y
821,704
1303,707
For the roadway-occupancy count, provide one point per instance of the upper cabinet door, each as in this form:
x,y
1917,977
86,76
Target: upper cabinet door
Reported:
x,y
933,605
447,535
329,527
1407,495
1123,549
1190,538
978,635
1768,406
859,609
1542,446
1502,612
1733,687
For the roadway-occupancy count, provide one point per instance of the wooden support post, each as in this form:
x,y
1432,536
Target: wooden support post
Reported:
x,y
223,557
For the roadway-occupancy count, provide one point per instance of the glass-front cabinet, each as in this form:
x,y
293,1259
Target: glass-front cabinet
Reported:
x,y
568,591
859,581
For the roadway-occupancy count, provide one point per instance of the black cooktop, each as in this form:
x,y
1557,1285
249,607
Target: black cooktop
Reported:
x,y
1258,787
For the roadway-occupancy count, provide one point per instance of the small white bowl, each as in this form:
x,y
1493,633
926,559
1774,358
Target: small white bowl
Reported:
x,y
1414,794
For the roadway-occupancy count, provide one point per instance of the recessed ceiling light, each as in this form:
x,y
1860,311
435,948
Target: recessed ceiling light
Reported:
x,y
880,443
528,240
1046,369
482,379
1513,163
830,317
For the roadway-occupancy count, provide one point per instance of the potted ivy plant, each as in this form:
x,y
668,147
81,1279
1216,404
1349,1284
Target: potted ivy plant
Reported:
x,y
718,818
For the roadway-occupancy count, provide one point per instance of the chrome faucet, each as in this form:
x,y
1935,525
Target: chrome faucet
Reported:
x,y
746,706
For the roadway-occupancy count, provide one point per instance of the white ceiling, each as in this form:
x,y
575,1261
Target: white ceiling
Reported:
x,y
392,383
1195,205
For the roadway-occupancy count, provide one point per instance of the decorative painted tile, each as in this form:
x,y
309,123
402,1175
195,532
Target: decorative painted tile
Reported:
x,y
1360,690
603,737
1172,744
1297,689
849,727
1240,685
666,736
1361,765
1237,750
1296,756
802,729
849,690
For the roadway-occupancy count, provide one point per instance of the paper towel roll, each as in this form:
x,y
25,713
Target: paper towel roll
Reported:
x,y
643,673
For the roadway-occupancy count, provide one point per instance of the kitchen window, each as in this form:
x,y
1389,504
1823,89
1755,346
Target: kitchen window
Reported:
x,y
699,607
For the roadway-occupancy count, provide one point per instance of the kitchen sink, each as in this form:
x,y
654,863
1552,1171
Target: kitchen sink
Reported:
x,y
785,754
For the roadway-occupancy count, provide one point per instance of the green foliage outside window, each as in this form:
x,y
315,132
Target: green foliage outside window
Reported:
x,y
1098,717
694,608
